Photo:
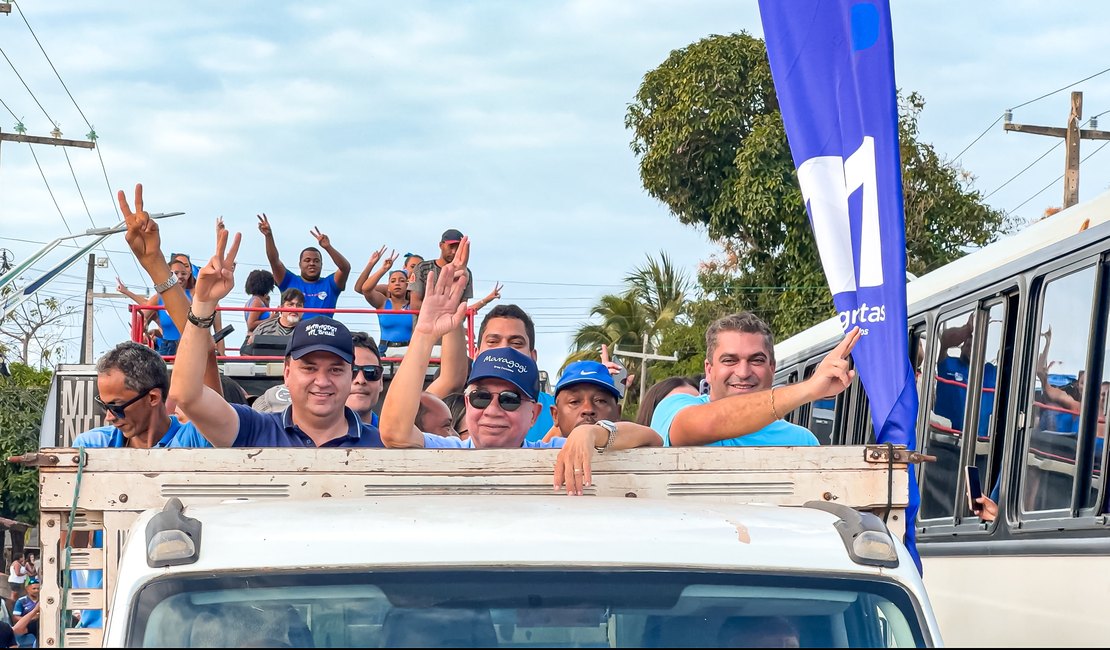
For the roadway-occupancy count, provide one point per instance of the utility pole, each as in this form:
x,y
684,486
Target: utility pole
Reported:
x,y
56,138
644,357
1072,135
87,329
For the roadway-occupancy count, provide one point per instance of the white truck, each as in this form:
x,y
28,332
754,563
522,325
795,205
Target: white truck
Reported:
x,y
381,548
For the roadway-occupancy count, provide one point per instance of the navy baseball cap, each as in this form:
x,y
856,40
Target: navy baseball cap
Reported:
x,y
588,372
510,365
451,236
321,334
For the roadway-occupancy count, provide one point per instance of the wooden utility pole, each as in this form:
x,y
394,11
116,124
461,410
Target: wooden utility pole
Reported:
x,y
5,7
87,330
1072,135
643,356
56,140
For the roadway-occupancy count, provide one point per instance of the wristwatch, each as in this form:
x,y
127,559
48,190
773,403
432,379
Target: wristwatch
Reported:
x,y
612,429
162,287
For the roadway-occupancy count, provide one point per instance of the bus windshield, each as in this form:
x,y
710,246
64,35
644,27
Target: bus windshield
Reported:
x,y
523,608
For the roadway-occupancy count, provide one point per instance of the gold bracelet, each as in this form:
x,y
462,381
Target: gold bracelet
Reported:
x,y
774,412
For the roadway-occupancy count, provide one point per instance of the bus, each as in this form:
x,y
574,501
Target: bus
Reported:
x,y
1011,350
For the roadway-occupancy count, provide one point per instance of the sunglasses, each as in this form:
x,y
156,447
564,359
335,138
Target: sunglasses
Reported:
x,y
508,400
371,372
118,409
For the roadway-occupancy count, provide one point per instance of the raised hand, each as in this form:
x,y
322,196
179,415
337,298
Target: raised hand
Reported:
x,y
324,240
391,259
142,231
264,225
496,293
614,367
443,309
834,374
217,277
120,286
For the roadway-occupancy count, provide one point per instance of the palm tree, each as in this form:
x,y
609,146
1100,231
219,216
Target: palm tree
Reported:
x,y
661,289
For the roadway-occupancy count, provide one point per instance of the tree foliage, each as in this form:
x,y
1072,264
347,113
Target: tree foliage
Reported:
x,y
22,399
33,330
712,147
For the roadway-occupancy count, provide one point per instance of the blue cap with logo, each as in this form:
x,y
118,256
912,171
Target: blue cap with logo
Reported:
x,y
588,372
321,334
510,365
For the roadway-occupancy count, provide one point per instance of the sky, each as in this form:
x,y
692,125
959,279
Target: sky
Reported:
x,y
385,123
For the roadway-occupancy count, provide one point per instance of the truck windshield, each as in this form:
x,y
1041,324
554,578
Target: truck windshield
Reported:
x,y
522,608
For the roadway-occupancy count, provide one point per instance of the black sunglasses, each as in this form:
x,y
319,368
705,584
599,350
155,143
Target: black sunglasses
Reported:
x,y
371,372
508,400
118,409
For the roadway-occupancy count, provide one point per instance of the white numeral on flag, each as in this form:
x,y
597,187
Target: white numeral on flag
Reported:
x,y
827,182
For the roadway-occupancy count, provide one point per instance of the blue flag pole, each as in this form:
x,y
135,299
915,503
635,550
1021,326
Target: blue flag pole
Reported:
x,y
833,66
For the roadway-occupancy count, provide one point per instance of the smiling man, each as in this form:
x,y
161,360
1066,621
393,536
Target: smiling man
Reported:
x,y
318,371
742,408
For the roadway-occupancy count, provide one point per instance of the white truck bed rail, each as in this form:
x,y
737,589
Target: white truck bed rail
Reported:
x,y
113,486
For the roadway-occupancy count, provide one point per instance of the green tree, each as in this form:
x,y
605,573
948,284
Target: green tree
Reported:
x,y
22,399
712,147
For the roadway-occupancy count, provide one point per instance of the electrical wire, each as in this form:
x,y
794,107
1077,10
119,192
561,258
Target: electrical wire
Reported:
x,y
47,56
1058,178
20,77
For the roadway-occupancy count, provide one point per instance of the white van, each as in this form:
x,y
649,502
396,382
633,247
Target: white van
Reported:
x,y
365,548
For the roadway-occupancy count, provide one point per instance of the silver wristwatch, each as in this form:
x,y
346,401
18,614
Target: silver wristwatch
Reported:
x,y
612,429
162,287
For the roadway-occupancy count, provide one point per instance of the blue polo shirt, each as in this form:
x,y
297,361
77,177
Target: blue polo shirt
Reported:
x,y
779,433
321,294
178,435
432,441
277,430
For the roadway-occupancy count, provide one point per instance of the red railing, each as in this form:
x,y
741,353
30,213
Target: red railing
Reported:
x,y
138,332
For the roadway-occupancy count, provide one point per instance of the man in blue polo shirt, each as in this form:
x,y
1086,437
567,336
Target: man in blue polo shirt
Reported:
x,y
132,382
742,408
319,292
318,371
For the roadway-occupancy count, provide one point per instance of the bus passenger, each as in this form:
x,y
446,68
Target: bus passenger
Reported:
x,y
742,408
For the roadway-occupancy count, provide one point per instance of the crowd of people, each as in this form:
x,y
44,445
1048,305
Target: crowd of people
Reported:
x,y
332,393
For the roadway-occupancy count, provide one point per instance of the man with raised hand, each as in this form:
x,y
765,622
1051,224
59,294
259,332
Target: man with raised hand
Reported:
x,y
319,293
317,371
426,272
743,408
501,394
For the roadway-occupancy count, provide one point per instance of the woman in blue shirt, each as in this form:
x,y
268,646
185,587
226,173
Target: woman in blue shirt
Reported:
x,y
396,329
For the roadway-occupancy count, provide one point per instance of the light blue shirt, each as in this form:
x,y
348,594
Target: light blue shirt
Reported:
x,y
779,433
178,435
544,422
432,441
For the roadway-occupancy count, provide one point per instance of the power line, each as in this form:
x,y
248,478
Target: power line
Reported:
x,y
5,54
999,118
10,110
43,50
1101,72
50,191
1057,179
1027,168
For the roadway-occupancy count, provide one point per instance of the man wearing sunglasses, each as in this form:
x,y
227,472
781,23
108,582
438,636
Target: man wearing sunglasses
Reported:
x,y
366,384
132,382
501,394
317,372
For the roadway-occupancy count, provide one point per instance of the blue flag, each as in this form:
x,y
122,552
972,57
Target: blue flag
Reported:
x,y
833,67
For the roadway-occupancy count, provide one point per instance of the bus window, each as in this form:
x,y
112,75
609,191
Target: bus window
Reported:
x,y
945,421
822,415
992,359
917,361
1050,453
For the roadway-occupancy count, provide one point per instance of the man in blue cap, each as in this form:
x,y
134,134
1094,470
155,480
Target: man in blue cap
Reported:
x,y
586,393
318,371
500,394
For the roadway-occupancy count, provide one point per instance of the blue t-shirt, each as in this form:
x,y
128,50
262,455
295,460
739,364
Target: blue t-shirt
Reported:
x,y
951,398
22,607
262,315
277,430
779,433
169,330
544,422
396,328
178,435
321,294
432,441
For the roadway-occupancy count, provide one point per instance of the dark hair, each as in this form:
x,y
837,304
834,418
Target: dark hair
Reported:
x,y
313,249
259,283
292,293
656,393
745,322
141,366
364,340
511,311
233,392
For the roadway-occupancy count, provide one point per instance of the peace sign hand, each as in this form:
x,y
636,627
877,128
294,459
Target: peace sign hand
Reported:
x,y
217,277
142,231
391,259
264,225
324,240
